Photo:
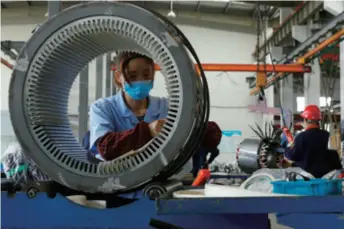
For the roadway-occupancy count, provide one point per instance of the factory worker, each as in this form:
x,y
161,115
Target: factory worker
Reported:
x,y
309,150
131,118
209,148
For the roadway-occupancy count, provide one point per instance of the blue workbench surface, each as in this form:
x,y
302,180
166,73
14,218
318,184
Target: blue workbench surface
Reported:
x,y
42,212
296,212
299,204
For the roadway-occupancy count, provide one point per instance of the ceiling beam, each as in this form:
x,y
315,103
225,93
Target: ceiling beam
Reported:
x,y
36,13
276,3
227,7
198,7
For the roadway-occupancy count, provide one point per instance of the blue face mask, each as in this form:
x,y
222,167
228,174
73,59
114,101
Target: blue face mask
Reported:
x,y
138,90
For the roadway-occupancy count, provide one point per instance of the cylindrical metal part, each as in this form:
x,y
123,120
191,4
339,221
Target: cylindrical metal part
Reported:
x,y
254,154
46,68
247,155
155,190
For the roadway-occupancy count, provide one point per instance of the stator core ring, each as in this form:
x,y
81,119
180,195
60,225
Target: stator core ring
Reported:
x,y
47,67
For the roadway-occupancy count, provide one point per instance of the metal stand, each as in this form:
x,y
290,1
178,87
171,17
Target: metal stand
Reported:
x,y
59,212
42,212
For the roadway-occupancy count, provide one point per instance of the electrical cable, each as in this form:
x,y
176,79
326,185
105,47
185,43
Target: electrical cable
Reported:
x,y
273,67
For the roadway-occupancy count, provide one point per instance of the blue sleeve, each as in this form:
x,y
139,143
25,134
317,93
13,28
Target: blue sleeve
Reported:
x,y
163,108
297,152
100,121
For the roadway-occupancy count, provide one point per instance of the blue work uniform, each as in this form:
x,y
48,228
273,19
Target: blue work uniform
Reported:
x,y
310,152
111,114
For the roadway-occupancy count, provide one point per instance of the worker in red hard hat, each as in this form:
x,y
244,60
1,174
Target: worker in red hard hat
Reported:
x,y
309,150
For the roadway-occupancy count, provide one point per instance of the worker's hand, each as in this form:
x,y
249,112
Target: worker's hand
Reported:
x,y
286,163
284,140
156,126
289,136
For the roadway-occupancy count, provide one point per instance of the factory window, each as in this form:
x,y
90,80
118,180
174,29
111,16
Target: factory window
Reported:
x,y
300,102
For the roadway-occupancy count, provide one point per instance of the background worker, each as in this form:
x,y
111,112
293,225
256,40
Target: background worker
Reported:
x,y
125,122
309,150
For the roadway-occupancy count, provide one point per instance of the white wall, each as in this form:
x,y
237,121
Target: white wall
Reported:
x,y
229,91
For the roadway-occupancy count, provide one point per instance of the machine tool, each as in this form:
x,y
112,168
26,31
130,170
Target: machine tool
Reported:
x,y
42,77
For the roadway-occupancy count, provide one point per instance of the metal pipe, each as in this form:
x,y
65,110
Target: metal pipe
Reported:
x,y
54,7
322,45
303,59
290,68
6,63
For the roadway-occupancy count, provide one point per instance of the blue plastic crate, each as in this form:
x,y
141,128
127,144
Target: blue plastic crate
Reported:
x,y
314,187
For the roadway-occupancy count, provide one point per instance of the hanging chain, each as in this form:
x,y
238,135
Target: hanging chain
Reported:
x,y
264,25
258,36
260,32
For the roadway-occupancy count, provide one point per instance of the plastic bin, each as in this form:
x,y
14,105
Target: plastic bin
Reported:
x,y
314,187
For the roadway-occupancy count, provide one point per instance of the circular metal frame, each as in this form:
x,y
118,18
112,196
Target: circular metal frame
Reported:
x,y
46,68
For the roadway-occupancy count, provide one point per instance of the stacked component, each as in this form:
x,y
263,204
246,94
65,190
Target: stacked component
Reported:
x,y
263,152
48,65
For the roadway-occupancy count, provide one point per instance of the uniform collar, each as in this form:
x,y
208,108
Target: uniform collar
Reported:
x,y
153,107
312,126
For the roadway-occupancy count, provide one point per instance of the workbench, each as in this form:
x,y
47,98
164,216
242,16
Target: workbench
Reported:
x,y
43,212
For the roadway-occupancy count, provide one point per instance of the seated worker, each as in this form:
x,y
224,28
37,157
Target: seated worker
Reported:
x,y
131,118
309,150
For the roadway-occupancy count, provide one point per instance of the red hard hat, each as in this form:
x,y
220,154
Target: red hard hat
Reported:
x,y
311,112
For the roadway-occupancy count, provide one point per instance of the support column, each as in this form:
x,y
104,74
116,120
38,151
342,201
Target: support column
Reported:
x,y
269,95
54,7
341,66
312,84
286,98
83,103
284,13
99,77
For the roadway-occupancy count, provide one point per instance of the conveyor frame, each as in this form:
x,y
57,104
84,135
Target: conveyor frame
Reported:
x,y
241,213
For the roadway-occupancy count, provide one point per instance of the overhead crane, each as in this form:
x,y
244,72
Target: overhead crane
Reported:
x,y
295,68
297,56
